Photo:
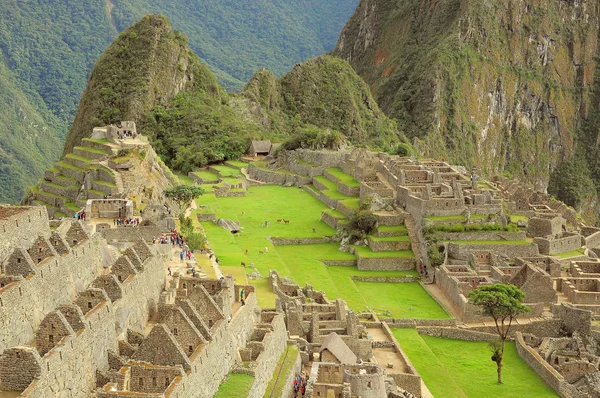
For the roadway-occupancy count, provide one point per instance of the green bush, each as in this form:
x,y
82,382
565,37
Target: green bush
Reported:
x,y
436,256
363,221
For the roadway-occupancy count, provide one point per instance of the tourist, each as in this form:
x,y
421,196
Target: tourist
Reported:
x,y
181,255
169,270
228,318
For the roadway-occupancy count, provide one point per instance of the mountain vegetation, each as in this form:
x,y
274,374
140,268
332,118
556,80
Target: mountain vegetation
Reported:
x,y
149,74
49,47
505,86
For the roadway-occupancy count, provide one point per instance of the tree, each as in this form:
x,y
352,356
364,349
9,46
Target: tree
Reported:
x,y
183,195
503,303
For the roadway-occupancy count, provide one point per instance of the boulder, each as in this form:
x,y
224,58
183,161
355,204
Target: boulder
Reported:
x,y
229,225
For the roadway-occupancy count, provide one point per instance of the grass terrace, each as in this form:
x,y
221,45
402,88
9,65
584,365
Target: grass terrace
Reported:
x,y
238,164
184,180
97,141
227,171
342,177
460,369
235,386
572,253
206,175
366,252
399,238
282,372
303,263
401,229
491,242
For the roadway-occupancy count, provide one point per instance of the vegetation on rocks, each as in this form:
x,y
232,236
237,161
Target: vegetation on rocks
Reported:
x,y
485,83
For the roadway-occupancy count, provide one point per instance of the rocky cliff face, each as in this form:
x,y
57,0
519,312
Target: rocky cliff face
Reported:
x,y
146,66
504,85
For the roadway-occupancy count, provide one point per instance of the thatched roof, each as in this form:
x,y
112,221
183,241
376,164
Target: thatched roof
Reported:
x,y
260,146
336,346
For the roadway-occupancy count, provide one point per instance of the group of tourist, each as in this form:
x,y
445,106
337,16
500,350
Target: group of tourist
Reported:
x,y
185,254
300,383
123,134
126,221
173,238
80,215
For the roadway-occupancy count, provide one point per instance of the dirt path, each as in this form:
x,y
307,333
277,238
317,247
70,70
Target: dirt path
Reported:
x,y
109,8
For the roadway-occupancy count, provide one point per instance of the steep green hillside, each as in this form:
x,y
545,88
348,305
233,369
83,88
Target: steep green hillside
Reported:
x,y
148,74
323,92
146,66
50,47
504,85
28,144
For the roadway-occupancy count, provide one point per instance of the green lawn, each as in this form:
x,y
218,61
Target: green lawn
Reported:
x,y
344,178
399,238
572,253
302,263
184,180
392,228
455,368
235,386
282,372
206,175
226,171
238,163
92,150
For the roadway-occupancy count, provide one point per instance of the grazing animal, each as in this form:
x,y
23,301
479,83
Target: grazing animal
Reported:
x,y
279,220
261,252
243,264
286,221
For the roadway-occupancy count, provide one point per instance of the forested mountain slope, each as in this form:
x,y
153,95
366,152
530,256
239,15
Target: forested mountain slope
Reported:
x,y
505,85
150,75
50,47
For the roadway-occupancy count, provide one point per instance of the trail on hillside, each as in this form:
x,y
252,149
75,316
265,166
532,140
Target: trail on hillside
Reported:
x,y
109,8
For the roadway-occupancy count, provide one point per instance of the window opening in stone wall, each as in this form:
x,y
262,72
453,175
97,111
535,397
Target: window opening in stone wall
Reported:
x,y
18,261
51,338
190,349
167,382
89,305
175,331
141,382
369,385
154,382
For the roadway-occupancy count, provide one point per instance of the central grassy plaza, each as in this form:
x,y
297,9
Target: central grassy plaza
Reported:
x,y
304,263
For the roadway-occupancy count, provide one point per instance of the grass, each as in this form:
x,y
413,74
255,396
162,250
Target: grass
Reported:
x,y
235,386
106,183
92,150
335,214
516,218
399,238
226,171
282,372
72,206
455,368
366,252
572,253
206,175
238,163
392,228
80,158
455,217
344,178
184,180
100,141
303,264
69,166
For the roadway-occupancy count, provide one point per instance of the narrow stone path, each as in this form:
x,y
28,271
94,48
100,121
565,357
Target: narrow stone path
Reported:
x,y
109,9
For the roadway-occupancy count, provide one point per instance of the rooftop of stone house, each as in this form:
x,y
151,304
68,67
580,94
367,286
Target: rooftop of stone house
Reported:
x,y
334,344
10,211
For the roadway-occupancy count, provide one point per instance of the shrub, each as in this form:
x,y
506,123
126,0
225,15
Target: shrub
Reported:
x,y
363,221
436,256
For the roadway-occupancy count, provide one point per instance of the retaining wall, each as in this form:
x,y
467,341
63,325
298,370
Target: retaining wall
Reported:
x,y
385,264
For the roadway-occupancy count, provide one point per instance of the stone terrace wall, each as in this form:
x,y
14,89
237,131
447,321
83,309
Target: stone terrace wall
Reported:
x,y
299,241
21,226
58,280
274,345
542,368
461,251
385,264
132,234
70,367
410,381
500,235
560,245
288,386
276,178
215,359
457,334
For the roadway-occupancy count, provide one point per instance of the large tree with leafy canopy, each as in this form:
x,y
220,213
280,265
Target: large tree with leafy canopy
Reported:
x,y
503,303
183,195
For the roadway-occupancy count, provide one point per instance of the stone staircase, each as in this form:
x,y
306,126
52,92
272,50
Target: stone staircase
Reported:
x,y
81,175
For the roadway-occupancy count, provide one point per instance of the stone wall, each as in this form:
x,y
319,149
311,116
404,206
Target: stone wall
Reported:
x,y
276,178
382,246
542,368
298,241
385,264
500,235
457,334
558,245
58,280
461,251
274,345
574,319
592,237
410,380
132,234
21,226
288,387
